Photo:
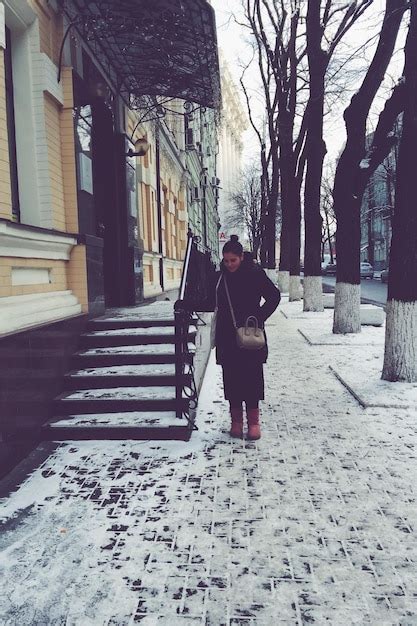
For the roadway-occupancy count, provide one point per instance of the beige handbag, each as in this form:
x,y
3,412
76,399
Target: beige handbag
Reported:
x,y
249,336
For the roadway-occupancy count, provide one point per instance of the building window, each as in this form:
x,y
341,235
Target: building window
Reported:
x,y
11,131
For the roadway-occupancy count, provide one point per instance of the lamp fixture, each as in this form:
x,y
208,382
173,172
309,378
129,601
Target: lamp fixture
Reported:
x,y
141,148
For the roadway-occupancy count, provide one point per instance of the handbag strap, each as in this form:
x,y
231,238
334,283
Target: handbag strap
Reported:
x,y
216,291
230,303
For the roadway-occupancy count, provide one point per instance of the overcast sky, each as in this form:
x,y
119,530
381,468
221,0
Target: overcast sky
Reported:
x,y
231,38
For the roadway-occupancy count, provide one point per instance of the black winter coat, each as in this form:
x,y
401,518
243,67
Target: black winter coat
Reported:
x,y
247,286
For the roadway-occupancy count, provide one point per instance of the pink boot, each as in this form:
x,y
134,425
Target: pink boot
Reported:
x,y
254,430
236,429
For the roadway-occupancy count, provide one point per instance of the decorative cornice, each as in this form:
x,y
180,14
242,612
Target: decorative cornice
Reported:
x,y
2,28
20,12
170,151
31,243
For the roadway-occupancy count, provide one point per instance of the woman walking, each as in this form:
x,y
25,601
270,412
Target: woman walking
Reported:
x,y
240,286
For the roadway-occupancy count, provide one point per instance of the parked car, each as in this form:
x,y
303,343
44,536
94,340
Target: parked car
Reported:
x,y
329,269
384,276
367,271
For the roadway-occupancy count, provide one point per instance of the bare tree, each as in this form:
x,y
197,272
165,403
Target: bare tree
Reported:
x,y
275,30
295,124
269,169
400,361
328,215
246,213
356,164
327,22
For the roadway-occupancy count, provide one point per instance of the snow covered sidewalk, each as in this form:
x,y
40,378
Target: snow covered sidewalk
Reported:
x,y
314,523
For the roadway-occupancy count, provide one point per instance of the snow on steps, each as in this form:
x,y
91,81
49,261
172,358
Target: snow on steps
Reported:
x,y
127,355
132,336
123,385
123,376
115,399
115,323
164,369
159,425
155,311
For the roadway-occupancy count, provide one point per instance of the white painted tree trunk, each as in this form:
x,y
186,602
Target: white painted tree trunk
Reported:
x,y
347,315
400,358
272,275
284,282
296,292
313,293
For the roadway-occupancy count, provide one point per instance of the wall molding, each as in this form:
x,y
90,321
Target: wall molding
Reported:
x,y
21,312
19,13
2,27
17,241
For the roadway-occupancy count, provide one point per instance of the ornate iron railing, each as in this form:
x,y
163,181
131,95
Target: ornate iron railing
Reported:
x,y
160,47
195,281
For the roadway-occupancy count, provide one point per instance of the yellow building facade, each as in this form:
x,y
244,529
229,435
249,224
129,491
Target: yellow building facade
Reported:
x,y
40,170
38,205
87,221
163,219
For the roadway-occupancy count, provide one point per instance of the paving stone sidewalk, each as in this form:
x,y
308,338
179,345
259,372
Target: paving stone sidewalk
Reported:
x,y
314,523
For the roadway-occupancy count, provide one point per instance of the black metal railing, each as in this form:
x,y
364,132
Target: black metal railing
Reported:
x,y
195,281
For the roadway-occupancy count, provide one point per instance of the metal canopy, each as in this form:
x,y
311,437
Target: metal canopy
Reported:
x,y
153,47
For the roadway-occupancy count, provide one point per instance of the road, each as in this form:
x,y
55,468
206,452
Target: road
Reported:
x,y
372,290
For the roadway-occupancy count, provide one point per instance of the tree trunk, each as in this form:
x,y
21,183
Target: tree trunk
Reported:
x,y
371,242
347,302
287,175
295,290
263,249
348,245
316,150
329,237
350,182
400,359
284,254
272,212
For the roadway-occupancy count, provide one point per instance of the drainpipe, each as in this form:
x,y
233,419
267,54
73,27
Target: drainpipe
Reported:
x,y
158,202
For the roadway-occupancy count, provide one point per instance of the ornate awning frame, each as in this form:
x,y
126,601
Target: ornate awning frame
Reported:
x,y
165,48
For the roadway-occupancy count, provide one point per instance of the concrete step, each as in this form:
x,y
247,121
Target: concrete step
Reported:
x,y
146,375
102,359
118,323
116,399
159,425
132,337
126,355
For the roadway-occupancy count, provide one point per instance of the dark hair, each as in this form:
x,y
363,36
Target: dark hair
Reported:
x,y
233,246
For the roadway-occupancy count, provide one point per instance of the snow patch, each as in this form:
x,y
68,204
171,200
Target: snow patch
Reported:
x,y
123,393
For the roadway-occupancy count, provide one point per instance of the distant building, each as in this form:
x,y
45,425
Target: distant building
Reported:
x,y
162,222
201,149
233,124
377,211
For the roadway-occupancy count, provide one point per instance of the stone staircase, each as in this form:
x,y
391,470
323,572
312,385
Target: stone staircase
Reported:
x,y
122,382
